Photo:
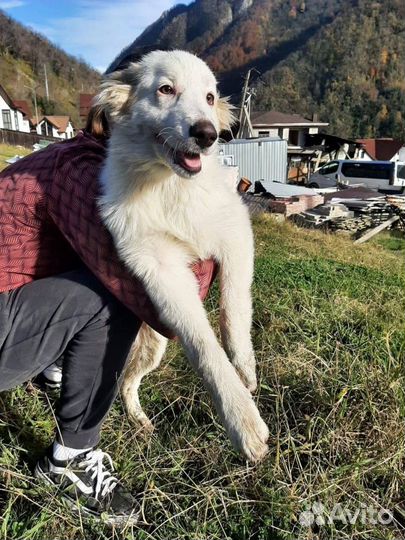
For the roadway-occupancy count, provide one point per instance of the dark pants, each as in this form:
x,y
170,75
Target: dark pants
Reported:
x,y
70,316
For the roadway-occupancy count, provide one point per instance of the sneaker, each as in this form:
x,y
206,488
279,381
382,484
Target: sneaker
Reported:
x,y
50,381
86,483
52,377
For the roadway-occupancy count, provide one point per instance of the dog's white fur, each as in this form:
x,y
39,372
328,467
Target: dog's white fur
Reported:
x,y
163,218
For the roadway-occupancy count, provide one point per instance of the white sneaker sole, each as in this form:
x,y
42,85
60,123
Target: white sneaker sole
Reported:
x,y
116,521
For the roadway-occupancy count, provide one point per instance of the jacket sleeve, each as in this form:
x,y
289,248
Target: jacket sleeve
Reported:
x,y
73,208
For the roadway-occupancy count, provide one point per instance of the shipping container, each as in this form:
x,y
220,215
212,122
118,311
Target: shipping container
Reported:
x,y
263,159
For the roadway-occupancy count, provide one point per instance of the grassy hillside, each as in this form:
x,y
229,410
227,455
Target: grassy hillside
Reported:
x,y
23,54
329,332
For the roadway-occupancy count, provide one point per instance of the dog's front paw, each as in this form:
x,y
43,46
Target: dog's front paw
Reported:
x,y
246,429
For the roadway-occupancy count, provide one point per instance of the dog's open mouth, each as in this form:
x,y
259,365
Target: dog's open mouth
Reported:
x,y
188,161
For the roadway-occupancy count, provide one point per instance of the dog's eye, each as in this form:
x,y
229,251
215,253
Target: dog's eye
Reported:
x,y
166,89
210,99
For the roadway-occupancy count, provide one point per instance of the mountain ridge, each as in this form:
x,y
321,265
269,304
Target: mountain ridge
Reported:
x,y
341,59
23,54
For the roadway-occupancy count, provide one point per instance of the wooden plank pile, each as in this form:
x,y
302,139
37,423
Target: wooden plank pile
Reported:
x,y
353,210
366,214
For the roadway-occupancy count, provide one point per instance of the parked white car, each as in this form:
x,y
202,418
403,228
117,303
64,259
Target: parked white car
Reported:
x,y
385,175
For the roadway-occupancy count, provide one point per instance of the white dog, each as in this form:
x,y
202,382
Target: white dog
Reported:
x,y
166,205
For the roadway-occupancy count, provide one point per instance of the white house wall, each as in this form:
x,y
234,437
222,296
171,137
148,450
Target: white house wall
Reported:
x,y
70,131
5,106
23,125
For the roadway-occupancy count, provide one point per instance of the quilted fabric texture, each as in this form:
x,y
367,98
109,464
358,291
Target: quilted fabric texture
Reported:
x,y
49,223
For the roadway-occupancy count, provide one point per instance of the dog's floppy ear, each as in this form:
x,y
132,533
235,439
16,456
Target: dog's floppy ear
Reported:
x,y
115,91
225,116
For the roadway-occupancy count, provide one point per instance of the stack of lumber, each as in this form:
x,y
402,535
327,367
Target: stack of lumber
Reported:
x,y
397,202
366,214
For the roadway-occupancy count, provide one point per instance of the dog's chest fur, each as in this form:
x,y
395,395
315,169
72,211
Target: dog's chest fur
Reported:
x,y
192,211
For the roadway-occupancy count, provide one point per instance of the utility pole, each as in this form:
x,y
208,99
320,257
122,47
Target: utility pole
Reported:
x,y
34,91
244,115
46,84
35,104
245,90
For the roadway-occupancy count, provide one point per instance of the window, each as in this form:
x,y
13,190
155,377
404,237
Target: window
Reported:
x,y
6,114
264,133
329,168
401,172
293,137
16,121
380,171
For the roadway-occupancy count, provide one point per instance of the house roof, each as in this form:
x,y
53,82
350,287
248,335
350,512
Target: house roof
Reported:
x,y
23,106
6,98
276,118
60,122
381,149
85,102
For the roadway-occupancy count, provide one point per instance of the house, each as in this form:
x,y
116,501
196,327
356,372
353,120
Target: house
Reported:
x,y
60,127
382,149
11,117
28,121
291,127
296,130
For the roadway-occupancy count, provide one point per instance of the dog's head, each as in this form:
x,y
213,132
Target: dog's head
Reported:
x,y
169,103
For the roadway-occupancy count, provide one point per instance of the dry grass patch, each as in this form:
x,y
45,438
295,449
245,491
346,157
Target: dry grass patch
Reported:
x,y
329,331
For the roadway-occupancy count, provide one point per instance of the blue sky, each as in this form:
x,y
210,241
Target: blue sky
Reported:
x,y
94,30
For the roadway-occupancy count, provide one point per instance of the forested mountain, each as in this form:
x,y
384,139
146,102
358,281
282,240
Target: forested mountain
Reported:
x,y
343,59
23,54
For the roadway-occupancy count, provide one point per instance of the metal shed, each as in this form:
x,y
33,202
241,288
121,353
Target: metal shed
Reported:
x,y
263,159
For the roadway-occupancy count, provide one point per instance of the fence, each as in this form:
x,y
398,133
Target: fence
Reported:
x,y
19,138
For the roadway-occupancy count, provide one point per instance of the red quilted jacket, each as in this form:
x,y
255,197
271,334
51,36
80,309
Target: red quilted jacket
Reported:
x,y
49,222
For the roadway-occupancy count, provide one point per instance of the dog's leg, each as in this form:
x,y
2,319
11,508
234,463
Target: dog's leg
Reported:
x,y
145,356
236,273
163,267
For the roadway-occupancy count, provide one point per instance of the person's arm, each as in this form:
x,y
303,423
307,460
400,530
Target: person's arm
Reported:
x,y
73,208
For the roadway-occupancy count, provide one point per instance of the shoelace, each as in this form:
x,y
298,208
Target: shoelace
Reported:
x,y
94,463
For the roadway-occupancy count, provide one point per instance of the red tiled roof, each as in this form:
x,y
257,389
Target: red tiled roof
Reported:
x,y
60,122
23,106
381,149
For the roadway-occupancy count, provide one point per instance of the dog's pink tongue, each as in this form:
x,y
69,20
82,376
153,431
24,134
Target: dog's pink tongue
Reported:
x,y
191,162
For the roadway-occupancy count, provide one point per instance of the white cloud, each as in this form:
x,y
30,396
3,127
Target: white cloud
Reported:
x,y
101,29
11,4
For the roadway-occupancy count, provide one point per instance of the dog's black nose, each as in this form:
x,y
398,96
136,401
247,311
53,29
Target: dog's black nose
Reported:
x,y
204,133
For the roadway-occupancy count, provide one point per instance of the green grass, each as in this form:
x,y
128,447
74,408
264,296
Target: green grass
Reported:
x,y
329,331
7,151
